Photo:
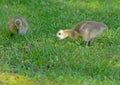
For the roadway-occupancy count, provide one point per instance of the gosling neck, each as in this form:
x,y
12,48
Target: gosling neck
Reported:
x,y
72,34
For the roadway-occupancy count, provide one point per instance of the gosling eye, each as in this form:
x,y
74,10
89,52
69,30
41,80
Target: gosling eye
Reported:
x,y
59,33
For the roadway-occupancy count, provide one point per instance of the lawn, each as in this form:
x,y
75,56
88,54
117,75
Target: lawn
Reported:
x,y
47,61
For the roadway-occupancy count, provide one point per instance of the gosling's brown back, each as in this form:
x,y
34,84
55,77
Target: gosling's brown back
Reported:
x,y
89,29
23,21
90,26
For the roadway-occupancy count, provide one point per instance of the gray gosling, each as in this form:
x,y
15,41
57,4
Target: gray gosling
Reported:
x,y
17,25
86,30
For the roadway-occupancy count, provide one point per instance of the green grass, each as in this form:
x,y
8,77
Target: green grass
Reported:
x,y
65,62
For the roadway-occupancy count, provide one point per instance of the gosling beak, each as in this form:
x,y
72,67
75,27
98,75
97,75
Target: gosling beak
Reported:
x,y
58,38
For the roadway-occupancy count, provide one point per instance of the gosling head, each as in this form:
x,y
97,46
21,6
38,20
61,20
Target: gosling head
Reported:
x,y
61,34
18,24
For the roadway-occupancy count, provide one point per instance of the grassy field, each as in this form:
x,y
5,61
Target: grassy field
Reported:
x,y
50,62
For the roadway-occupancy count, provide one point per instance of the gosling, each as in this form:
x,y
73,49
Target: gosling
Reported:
x,y
17,25
87,30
